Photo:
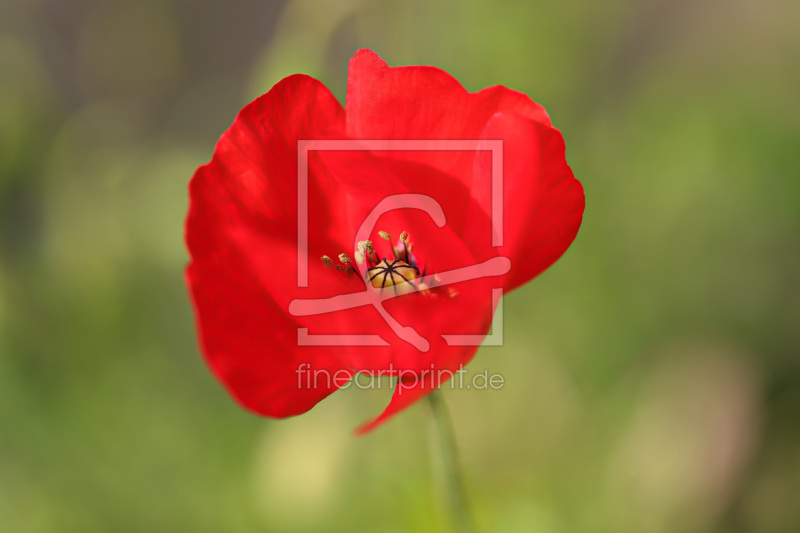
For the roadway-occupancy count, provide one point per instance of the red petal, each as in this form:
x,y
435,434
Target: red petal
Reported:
x,y
404,396
251,345
250,187
542,202
419,102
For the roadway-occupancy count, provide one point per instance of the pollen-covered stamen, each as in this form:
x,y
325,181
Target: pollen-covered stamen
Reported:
x,y
346,269
348,265
404,252
367,249
384,235
393,273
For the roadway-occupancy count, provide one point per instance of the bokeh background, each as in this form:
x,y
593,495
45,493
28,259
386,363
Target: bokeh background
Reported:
x,y
652,376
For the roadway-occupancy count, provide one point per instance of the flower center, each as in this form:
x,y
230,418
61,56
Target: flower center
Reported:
x,y
400,271
387,274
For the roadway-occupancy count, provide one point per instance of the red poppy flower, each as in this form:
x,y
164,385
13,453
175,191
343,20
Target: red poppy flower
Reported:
x,y
291,269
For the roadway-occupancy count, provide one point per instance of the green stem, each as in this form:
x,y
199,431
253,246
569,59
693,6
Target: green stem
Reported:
x,y
452,480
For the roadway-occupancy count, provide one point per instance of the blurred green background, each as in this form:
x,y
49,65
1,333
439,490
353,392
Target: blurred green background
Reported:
x,y
652,376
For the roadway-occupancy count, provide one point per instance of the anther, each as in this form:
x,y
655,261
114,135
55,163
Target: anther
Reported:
x,y
384,235
344,259
327,261
366,248
406,248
